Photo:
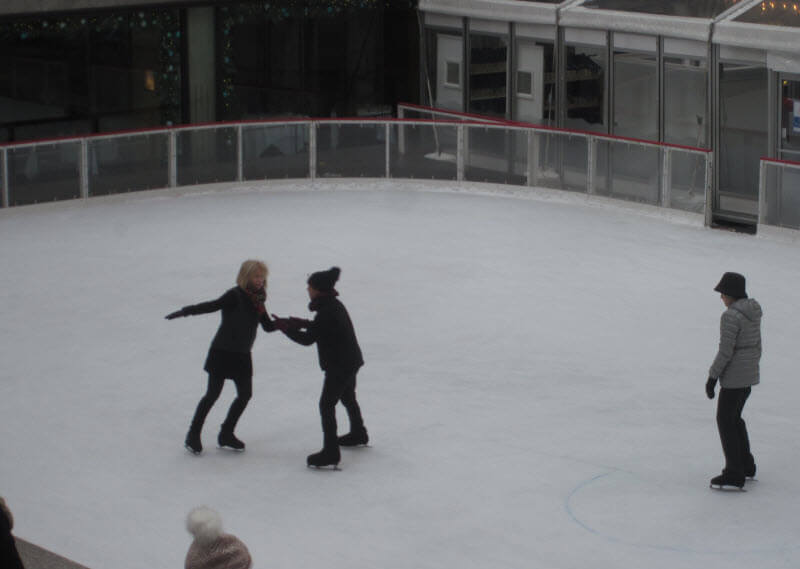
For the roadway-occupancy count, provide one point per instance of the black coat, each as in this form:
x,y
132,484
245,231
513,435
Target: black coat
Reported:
x,y
240,320
332,331
229,354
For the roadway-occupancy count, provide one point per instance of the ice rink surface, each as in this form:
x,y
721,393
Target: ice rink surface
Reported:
x,y
534,385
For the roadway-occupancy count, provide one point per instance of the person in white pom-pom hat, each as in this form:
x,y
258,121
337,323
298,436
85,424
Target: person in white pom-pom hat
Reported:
x,y
211,548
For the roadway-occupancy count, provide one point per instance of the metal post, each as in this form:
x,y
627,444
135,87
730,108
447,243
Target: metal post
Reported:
x,y
239,155
708,188
665,198
172,159
387,134
401,130
4,176
590,168
460,150
762,192
533,156
312,150
83,168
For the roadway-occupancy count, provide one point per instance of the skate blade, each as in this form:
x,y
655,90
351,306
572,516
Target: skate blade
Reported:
x,y
325,467
230,448
190,450
725,488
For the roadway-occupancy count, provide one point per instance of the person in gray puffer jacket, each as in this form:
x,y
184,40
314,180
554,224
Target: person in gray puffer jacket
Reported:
x,y
737,369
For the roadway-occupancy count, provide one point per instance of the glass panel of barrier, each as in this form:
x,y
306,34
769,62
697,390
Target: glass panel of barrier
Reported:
x,y
128,163
206,155
633,171
44,173
550,166
490,153
571,161
688,189
782,199
425,151
3,177
789,192
275,151
351,150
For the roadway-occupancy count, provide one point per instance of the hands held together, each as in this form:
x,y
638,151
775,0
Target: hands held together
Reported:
x,y
290,323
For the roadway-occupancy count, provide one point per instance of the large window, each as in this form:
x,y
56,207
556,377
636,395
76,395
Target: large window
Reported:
x,y
790,118
743,128
488,77
585,92
686,95
74,74
635,95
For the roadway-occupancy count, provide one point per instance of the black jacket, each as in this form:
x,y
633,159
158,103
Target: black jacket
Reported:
x,y
333,332
240,320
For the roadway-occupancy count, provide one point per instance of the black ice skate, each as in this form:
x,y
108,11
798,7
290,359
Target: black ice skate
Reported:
x,y
227,439
354,438
193,444
750,472
325,457
727,482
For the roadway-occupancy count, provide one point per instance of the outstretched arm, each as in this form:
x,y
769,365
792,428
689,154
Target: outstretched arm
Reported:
x,y
226,300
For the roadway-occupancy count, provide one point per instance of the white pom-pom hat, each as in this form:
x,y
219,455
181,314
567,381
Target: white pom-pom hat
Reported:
x,y
211,548
204,524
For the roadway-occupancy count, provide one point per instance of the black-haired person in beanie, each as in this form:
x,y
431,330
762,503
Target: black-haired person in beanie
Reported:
x,y
339,357
229,356
9,556
737,369
211,548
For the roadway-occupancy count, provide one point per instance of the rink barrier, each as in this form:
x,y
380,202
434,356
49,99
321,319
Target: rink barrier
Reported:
x,y
779,193
447,146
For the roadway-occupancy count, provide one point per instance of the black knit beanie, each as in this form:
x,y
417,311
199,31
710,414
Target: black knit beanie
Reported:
x,y
324,281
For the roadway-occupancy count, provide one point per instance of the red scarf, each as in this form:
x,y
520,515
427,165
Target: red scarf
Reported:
x,y
257,297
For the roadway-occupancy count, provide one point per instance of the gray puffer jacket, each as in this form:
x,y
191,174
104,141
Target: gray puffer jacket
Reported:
x,y
736,364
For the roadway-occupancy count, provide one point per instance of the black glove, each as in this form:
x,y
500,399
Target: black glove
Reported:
x,y
281,324
710,384
295,322
176,314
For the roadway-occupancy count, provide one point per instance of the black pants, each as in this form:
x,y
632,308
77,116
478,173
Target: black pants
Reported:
x,y
733,431
338,386
244,390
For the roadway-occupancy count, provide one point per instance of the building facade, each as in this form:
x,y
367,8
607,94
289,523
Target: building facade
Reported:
x,y
718,74
77,67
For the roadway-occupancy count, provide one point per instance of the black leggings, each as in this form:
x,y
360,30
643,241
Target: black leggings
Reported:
x,y
339,386
733,431
244,390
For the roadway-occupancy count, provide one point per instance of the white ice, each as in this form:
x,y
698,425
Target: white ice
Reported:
x,y
534,385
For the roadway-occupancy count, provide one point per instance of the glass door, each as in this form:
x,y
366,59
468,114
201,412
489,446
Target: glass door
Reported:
x,y
789,141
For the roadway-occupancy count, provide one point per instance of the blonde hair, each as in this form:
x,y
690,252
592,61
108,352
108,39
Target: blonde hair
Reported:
x,y
248,268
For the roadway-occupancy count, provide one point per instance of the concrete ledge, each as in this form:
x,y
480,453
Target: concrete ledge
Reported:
x,y
35,557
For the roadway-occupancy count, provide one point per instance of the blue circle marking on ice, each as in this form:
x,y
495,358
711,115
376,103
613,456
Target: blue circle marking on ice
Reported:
x,y
615,506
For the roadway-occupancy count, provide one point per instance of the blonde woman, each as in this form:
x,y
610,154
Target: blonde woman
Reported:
x,y
229,356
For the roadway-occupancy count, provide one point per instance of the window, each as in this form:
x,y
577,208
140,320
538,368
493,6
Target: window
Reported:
x,y
453,74
524,83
